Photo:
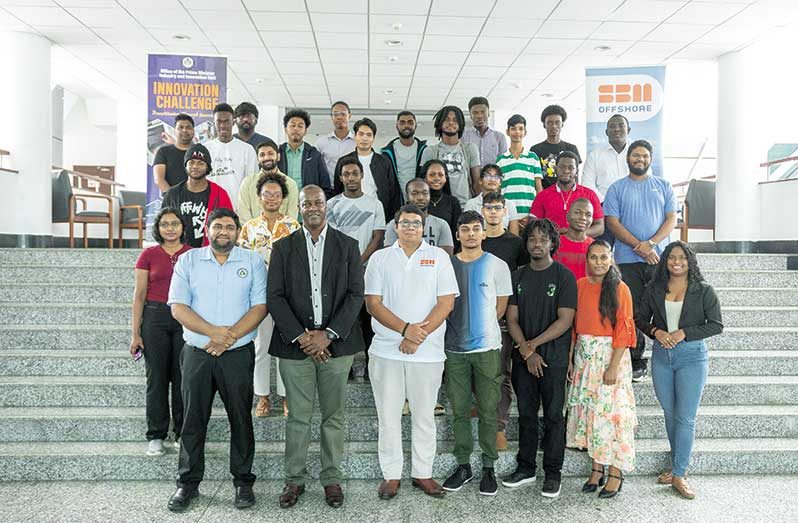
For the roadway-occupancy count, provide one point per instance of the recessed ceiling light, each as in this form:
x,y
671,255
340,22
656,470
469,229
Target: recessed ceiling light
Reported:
x,y
387,102
393,59
258,80
397,26
602,48
547,95
388,91
394,43
181,37
517,85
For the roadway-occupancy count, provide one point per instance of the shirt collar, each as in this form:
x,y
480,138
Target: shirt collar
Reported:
x,y
299,149
423,247
206,253
623,151
573,189
348,136
308,236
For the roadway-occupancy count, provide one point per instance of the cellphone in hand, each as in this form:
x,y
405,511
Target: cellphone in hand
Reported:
x,y
137,356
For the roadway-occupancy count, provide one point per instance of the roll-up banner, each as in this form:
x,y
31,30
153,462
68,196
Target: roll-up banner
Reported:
x,y
634,92
179,84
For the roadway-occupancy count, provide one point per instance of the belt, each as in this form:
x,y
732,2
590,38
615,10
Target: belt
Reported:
x,y
250,345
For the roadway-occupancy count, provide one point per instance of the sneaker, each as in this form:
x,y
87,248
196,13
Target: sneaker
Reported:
x,y
551,488
488,485
155,448
639,374
461,475
406,409
175,443
518,478
440,410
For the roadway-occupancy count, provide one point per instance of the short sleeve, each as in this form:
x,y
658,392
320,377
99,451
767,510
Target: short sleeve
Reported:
x,y
160,156
427,154
379,216
243,238
574,149
612,202
180,287
390,234
473,155
374,274
537,172
257,292
624,335
502,279
445,236
447,281
598,212
144,260
567,297
670,197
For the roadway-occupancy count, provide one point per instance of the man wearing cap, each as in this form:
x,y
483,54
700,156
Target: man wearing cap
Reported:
x,y
196,197
246,119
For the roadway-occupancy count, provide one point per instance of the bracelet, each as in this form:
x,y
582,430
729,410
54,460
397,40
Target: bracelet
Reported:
x,y
405,328
654,331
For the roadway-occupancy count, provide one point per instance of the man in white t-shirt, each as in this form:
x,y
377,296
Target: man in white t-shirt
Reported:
x,y
410,290
490,179
233,159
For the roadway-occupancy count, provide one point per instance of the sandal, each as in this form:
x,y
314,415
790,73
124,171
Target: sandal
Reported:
x,y
681,486
262,408
665,478
589,487
606,494
285,407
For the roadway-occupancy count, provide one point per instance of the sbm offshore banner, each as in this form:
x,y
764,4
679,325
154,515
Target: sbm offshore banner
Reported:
x,y
180,84
635,92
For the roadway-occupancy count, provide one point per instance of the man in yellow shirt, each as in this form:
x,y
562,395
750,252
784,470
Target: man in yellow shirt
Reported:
x,y
249,205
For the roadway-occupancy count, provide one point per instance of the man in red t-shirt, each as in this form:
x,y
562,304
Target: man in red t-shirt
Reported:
x,y
575,242
553,203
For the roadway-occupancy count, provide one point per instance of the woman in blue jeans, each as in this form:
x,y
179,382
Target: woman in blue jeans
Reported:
x,y
679,310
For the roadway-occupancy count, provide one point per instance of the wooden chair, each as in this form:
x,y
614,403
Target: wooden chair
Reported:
x,y
131,214
65,209
699,208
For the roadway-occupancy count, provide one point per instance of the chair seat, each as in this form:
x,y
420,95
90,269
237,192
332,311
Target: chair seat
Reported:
x,y
91,214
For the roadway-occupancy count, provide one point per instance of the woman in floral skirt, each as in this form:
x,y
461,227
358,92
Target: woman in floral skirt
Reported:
x,y
601,404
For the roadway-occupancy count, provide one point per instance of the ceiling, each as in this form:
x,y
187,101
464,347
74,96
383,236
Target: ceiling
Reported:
x,y
309,53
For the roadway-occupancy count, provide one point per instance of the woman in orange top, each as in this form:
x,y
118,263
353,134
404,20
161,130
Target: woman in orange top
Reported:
x,y
601,404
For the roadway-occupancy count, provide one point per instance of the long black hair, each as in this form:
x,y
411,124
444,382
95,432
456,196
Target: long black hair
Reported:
x,y
661,274
608,300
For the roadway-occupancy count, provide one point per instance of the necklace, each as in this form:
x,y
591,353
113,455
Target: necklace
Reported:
x,y
436,202
564,200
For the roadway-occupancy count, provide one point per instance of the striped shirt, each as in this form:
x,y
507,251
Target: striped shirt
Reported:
x,y
518,185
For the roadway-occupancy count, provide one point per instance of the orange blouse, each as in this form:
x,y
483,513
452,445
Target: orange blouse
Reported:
x,y
588,318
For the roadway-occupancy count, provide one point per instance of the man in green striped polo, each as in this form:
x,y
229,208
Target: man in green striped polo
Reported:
x,y
522,174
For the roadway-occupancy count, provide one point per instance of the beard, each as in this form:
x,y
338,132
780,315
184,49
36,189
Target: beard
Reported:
x,y
245,126
450,133
407,133
222,248
638,171
267,165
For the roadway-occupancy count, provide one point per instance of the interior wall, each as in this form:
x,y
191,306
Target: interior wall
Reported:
x,y
84,141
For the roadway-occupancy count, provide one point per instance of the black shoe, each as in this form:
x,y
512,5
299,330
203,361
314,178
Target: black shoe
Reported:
x,y
639,374
605,494
589,487
181,499
461,475
551,488
366,374
488,485
245,498
518,478
351,374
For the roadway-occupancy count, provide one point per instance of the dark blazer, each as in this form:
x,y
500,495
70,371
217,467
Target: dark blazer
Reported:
x,y
700,316
314,170
289,294
388,191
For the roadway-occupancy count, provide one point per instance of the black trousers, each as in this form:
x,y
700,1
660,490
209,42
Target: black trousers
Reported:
x,y
232,375
637,276
530,393
163,342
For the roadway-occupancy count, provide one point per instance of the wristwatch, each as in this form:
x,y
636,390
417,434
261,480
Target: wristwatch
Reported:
x,y
652,244
331,335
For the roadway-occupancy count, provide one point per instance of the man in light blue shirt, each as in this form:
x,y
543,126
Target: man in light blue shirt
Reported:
x,y
640,210
218,294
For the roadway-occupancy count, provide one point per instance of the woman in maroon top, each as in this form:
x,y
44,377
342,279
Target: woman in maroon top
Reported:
x,y
156,333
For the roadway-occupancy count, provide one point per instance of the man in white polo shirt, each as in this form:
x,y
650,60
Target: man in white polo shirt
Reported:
x,y
410,290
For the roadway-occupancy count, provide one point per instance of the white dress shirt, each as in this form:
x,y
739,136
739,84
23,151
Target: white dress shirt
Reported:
x,y
315,261
603,166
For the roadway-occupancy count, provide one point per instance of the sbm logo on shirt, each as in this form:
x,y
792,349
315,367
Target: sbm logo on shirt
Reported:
x,y
427,262
242,273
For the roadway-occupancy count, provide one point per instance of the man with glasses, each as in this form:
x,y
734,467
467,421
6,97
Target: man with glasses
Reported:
x,y
410,290
315,294
491,178
436,231
218,294
339,142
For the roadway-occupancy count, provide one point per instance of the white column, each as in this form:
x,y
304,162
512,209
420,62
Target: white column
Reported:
x,y
26,133
742,146
131,142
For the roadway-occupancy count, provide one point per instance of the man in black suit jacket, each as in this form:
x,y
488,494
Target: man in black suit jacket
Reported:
x,y
314,293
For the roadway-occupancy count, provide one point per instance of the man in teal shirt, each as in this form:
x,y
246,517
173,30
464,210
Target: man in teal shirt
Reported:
x,y
302,162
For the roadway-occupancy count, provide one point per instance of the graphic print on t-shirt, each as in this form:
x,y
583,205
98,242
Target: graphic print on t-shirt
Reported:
x,y
195,212
548,166
454,161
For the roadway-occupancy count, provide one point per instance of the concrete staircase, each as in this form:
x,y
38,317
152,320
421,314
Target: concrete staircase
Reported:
x,y
72,399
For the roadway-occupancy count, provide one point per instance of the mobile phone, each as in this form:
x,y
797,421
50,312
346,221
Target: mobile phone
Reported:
x,y
137,356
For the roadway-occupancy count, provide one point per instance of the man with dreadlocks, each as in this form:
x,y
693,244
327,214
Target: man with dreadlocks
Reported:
x,y
461,158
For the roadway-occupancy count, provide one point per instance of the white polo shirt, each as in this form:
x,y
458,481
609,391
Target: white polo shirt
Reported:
x,y
410,288
604,165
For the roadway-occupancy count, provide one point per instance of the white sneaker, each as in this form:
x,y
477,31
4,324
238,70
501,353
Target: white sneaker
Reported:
x,y
175,443
155,448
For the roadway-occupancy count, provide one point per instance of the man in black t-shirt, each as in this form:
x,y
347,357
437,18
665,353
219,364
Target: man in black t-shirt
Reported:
x,y
168,167
246,116
539,318
553,118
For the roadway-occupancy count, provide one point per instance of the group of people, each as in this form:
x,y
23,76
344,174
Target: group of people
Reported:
x,y
503,275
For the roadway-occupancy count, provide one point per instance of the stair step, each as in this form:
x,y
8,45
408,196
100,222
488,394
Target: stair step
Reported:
x,y
752,278
128,391
71,293
81,424
742,296
757,262
126,461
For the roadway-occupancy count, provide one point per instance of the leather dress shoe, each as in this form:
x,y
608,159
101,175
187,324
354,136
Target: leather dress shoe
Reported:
x,y
245,497
334,496
181,499
388,488
429,486
290,495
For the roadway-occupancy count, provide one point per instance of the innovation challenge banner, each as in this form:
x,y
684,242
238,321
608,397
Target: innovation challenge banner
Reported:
x,y
180,84
638,93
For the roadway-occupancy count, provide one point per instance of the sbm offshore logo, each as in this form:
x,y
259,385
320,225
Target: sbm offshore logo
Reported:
x,y
638,97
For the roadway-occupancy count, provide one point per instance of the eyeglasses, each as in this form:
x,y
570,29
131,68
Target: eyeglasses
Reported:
x,y
217,227
170,225
489,207
410,224
270,194
493,177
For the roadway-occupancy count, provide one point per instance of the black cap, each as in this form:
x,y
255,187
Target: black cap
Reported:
x,y
246,108
198,152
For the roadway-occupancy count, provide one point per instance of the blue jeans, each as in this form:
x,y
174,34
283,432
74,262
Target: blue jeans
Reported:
x,y
679,376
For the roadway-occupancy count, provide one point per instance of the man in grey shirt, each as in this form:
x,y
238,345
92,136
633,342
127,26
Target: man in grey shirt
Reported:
x,y
405,151
491,143
436,231
339,142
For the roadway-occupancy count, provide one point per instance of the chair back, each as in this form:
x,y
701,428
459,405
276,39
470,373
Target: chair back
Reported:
x,y
62,192
700,199
132,198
